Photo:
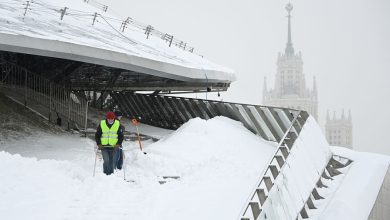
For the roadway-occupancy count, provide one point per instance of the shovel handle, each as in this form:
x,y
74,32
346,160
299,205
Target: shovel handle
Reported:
x,y
135,122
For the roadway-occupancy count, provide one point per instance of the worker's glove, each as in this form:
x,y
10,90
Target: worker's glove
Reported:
x,y
100,147
116,146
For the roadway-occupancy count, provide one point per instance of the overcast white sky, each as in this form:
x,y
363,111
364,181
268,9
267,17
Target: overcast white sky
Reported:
x,y
345,44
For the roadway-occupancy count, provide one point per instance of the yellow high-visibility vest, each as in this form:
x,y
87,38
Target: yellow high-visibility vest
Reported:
x,y
109,135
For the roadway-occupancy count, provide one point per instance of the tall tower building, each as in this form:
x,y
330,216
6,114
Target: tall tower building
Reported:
x,y
339,130
290,85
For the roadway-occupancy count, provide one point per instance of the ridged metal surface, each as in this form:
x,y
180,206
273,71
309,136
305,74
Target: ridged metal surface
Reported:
x,y
171,112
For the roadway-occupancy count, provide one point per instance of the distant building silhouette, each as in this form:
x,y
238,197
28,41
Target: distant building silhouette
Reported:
x,y
338,131
290,85
290,91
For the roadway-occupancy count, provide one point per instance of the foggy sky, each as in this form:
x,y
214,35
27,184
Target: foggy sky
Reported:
x,y
345,44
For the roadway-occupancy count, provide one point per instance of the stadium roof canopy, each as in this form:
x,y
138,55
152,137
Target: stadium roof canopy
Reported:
x,y
81,44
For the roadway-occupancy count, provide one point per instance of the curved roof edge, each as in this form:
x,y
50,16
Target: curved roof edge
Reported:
x,y
88,54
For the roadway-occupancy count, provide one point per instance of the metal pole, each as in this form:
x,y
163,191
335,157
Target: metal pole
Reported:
x,y
207,85
63,11
94,18
69,105
86,118
50,88
25,88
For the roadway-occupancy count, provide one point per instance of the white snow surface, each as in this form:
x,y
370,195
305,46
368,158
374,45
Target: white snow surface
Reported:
x,y
42,21
350,196
356,194
218,161
49,176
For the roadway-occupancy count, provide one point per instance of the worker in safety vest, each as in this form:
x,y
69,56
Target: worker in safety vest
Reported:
x,y
109,136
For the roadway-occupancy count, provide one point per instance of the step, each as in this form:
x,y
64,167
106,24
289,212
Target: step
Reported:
x,y
304,213
336,164
326,176
289,143
255,206
284,151
320,184
310,204
332,171
280,160
274,171
316,195
262,196
268,182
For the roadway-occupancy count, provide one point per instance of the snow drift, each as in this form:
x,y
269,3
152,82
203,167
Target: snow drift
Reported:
x,y
217,161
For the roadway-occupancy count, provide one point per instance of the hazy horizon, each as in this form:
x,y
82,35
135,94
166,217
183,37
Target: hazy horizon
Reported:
x,y
344,44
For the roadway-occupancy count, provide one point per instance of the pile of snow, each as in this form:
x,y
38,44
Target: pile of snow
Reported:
x,y
217,160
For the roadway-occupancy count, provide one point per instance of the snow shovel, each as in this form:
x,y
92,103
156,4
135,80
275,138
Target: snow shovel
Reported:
x,y
135,123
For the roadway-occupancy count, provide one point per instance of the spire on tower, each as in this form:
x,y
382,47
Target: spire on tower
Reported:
x,y
327,116
334,115
289,48
343,115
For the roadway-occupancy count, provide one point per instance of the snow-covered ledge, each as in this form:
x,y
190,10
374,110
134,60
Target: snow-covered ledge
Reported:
x,y
359,190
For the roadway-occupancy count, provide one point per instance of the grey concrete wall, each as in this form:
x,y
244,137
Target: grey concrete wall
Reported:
x,y
381,209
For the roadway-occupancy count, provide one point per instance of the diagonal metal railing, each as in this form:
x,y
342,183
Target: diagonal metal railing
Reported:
x,y
54,102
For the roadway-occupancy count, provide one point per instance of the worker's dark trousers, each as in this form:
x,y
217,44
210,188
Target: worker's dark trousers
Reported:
x,y
108,154
118,158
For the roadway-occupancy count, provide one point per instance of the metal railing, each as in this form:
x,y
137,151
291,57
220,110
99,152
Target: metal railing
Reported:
x,y
101,16
49,99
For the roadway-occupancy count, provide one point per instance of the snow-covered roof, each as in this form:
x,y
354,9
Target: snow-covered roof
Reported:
x,y
35,27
